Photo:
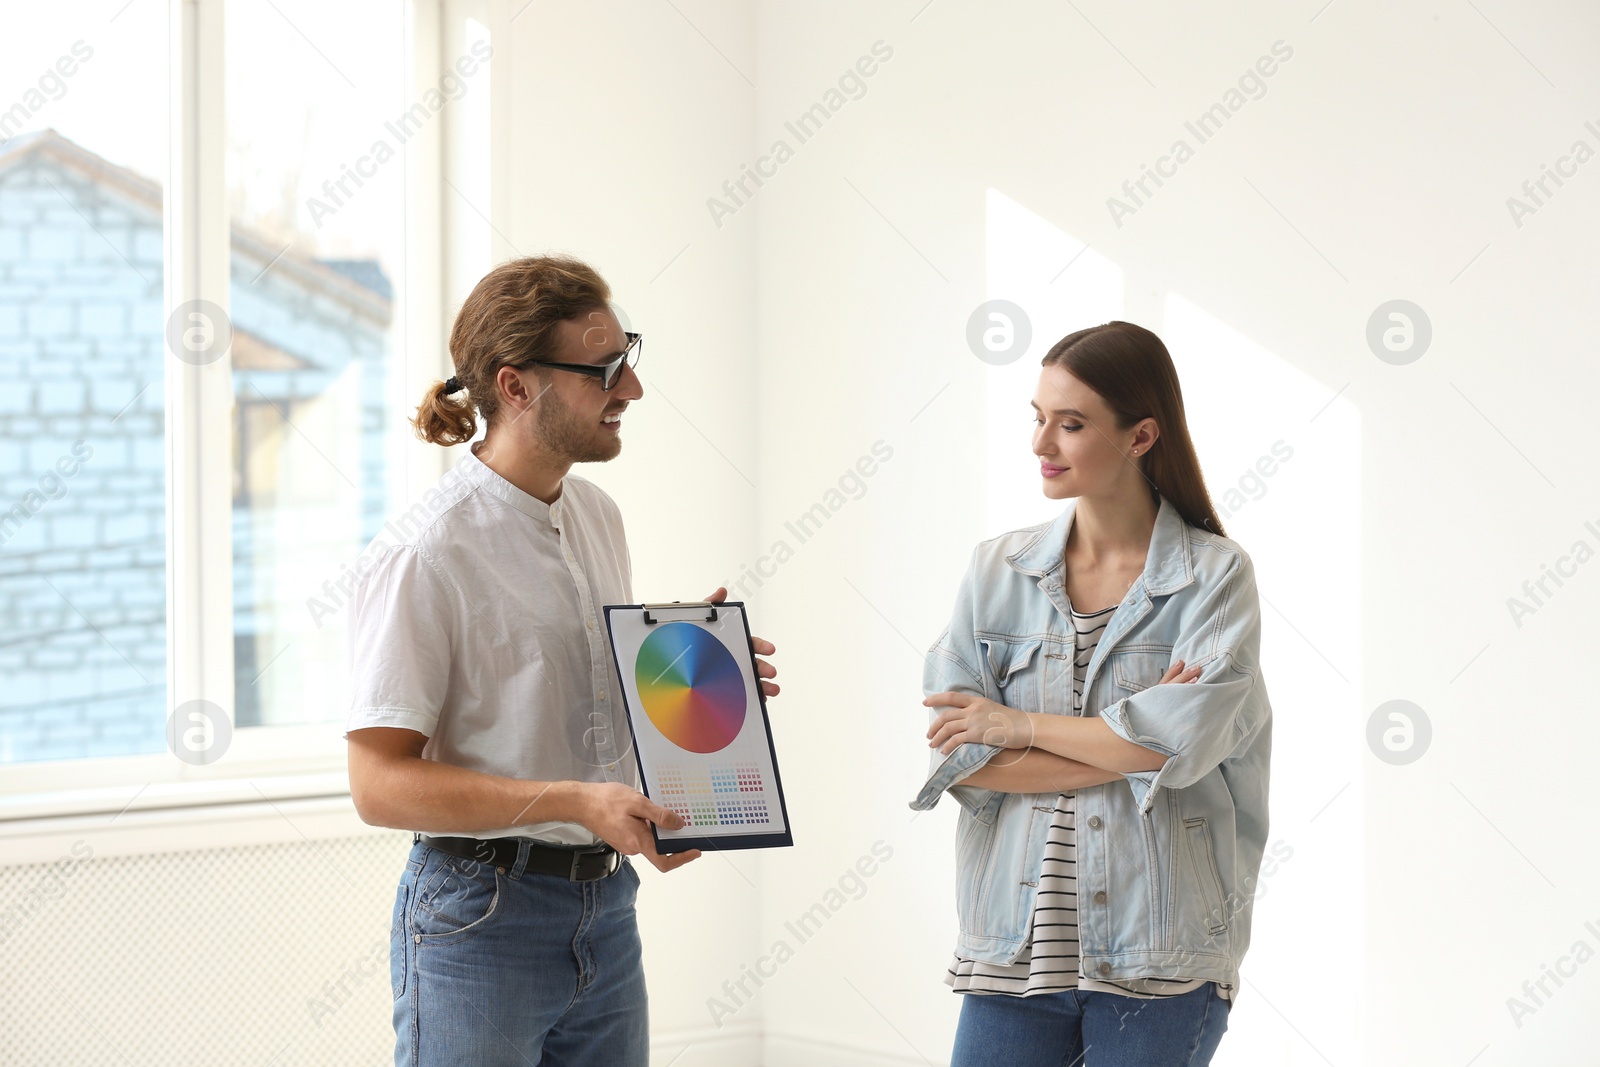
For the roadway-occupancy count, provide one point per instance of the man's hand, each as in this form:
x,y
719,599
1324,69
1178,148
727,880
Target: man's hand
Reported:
x,y
976,719
759,646
621,816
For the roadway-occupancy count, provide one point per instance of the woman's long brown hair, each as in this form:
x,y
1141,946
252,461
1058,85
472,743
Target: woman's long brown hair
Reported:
x,y
1132,371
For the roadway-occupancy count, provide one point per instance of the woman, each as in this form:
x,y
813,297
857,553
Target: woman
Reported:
x,y
1102,720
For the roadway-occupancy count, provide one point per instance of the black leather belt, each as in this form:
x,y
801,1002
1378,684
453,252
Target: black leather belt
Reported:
x,y
576,864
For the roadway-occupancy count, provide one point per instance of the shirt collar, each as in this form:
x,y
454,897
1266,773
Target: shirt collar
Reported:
x,y
478,473
1169,563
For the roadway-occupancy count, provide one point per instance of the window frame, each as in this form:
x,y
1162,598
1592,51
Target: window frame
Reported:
x,y
294,759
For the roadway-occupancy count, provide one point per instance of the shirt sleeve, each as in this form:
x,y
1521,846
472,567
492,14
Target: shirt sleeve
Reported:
x,y
1198,725
949,666
400,643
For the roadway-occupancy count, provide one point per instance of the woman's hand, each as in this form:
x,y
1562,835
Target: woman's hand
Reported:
x,y
1179,673
759,646
979,720
982,721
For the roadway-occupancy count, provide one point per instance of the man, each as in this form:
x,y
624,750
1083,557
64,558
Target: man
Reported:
x,y
486,712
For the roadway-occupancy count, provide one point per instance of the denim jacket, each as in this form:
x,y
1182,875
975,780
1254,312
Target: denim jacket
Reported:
x,y
1167,859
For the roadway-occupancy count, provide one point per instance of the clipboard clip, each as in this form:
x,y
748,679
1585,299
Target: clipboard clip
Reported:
x,y
678,605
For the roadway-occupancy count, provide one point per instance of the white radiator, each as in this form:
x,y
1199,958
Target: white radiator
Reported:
x,y
254,933
274,952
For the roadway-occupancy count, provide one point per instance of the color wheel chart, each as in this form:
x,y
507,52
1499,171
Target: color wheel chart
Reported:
x,y
701,734
690,686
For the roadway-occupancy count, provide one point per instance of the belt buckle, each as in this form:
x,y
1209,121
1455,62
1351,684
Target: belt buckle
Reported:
x,y
611,867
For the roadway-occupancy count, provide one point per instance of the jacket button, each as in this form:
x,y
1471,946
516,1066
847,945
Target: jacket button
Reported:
x,y
1105,968
1094,822
1100,898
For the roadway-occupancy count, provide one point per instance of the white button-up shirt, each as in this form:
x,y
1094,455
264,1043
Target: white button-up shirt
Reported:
x,y
476,623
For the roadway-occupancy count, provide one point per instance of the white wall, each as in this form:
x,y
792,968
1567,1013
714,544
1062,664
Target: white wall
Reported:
x,y
618,118
828,313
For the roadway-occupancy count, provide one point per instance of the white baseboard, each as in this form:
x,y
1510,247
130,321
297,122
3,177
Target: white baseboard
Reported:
x,y
804,1050
737,1044
743,1044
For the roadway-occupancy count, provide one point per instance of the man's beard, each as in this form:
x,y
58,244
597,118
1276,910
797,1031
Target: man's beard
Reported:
x,y
563,433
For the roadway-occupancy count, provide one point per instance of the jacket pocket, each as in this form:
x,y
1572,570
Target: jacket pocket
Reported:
x,y
975,847
1011,662
1136,669
977,802
1203,860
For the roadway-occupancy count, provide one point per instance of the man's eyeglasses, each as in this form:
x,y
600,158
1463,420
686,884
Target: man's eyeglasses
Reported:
x,y
608,373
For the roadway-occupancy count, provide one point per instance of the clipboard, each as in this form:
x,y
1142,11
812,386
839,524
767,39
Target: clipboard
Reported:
x,y
699,723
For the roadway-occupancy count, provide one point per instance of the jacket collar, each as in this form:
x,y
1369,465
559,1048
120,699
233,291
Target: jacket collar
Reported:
x,y
1169,564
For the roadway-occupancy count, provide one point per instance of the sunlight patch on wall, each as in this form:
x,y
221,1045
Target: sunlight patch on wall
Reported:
x,y
1281,456
1061,286
1280,453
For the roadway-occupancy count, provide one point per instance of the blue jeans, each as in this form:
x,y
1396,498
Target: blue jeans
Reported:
x,y
508,966
1077,1029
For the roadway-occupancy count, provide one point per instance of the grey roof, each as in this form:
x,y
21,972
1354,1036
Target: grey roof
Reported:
x,y
357,281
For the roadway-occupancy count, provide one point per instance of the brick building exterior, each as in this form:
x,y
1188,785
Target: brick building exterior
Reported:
x,y
82,465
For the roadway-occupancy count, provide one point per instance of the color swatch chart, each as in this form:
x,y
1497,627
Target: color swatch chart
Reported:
x,y
715,794
701,735
691,687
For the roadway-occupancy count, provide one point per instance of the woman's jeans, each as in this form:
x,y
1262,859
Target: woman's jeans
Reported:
x,y
1077,1029
495,967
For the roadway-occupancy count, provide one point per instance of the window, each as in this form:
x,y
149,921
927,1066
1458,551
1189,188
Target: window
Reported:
x,y
316,195
83,141
179,526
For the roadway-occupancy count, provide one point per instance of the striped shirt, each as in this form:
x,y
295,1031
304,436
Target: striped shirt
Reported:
x,y
1048,962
